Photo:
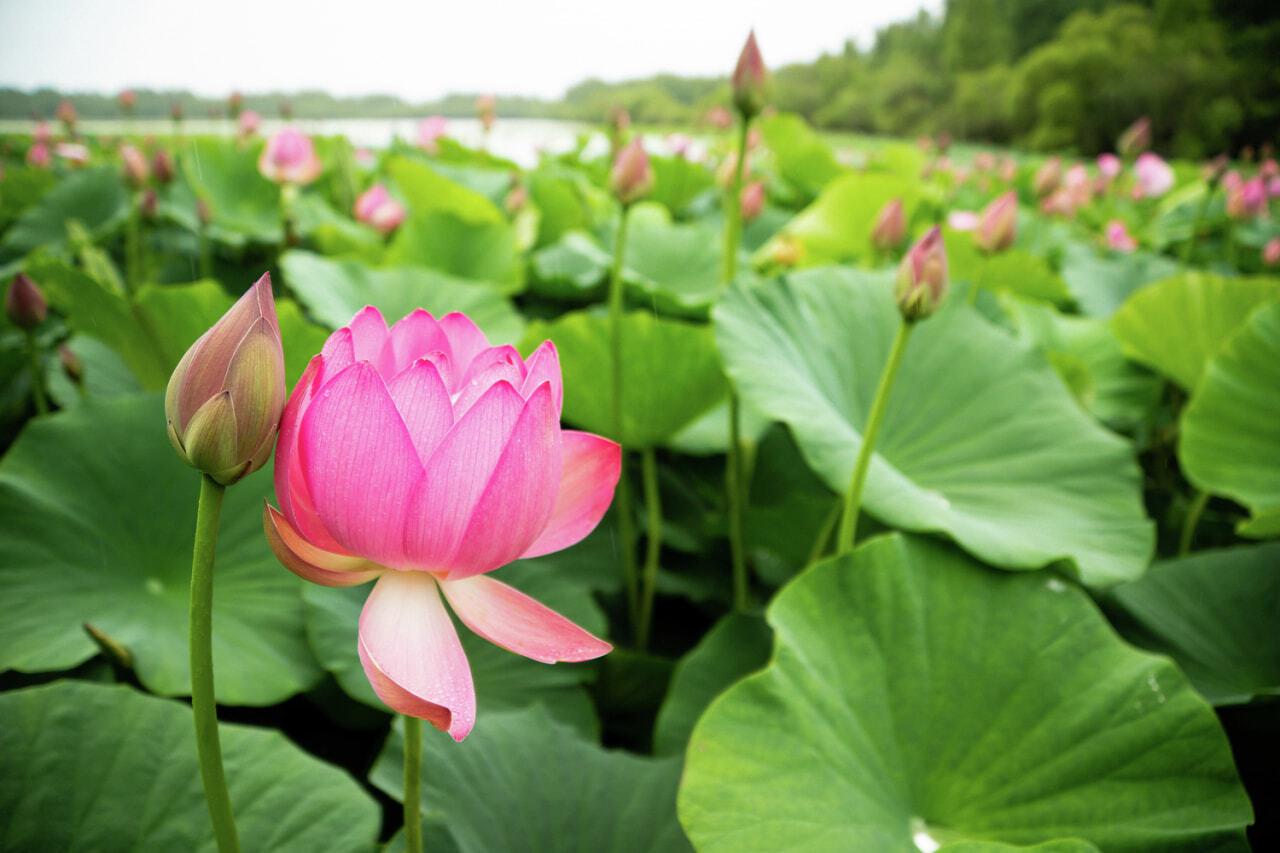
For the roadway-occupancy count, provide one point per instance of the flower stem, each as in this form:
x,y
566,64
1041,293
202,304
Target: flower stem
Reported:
x,y
1190,245
824,533
1198,503
412,783
626,526
733,473
653,545
133,247
853,503
37,374
733,210
201,643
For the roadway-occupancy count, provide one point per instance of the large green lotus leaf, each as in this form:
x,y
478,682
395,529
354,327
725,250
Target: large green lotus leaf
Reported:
x,y
334,290
99,518
1014,270
105,768
1117,392
674,268
980,441
522,780
502,679
561,196
802,157
1215,613
1175,326
23,186
1230,439
225,174
104,374
736,645
96,198
574,267
445,241
426,189
670,373
837,226
1101,284
677,181
914,691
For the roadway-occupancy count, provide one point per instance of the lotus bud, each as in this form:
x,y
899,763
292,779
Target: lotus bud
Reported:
x,y
235,104
135,165
66,113
1155,176
632,176
516,199
24,304
38,155
1135,139
376,207
203,213
431,129
487,110
922,280
128,101
1109,165
1271,252
750,78
1008,170
1118,238
225,397
719,118
1048,177
289,157
162,166
248,123
890,227
149,204
1248,199
71,365
752,200
998,224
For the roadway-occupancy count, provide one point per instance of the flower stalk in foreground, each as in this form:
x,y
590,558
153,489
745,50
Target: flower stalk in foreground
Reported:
x,y
223,405
919,291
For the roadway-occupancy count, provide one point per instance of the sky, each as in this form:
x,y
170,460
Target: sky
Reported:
x,y
417,50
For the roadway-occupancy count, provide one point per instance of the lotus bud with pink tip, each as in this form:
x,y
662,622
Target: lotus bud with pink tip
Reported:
x,y
752,200
1048,177
289,158
890,227
923,278
1135,139
376,207
162,166
632,176
430,129
487,110
1117,237
998,224
750,78
1271,252
128,101
66,113
136,171
1247,199
425,458
225,397
39,156
248,122
24,303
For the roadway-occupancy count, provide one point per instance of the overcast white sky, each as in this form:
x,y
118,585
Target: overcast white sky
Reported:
x,y
418,50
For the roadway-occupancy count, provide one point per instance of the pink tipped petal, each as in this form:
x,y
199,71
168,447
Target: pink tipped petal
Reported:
x,y
466,340
411,654
285,443
423,402
359,464
519,496
370,340
544,366
309,562
507,617
590,473
339,353
416,335
455,477
495,364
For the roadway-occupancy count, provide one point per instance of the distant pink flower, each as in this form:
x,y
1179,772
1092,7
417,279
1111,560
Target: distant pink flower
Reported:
x,y
1109,165
719,117
890,226
376,207
984,161
425,458
1271,252
431,129
1155,176
680,143
752,200
364,157
962,220
1118,238
487,110
38,155
136,170
248,122
42,133
1008,170
72,152
998,224
1268,168
1248,199
1231,180
289,158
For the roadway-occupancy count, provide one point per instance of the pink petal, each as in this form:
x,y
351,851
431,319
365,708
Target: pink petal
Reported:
x,y
423,402
465,339
339,353
291,487
456,474
495,364
415,335
507,617
518,498
590,473
359,464
411,654
309,562
544,366
371,342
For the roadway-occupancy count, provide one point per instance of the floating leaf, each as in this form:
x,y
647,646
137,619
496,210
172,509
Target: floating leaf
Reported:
x,y
1101,284
95,198
803,158
243,203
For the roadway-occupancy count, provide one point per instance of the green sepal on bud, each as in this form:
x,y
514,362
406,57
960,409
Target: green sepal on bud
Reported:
x,y
225,397
923,280
750,79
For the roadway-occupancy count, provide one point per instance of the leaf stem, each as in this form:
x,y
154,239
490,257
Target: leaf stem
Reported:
x,y
1190,245
853,503
1198,503
412,783
653,545
733,473
201,647
626,524
37,374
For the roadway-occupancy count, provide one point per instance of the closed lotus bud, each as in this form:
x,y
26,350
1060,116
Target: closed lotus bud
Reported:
x,y
486,110
1109,165
890,227
66,113
1135,139
752,200
1048,177
289,157
248,123
632,176
998,224
38,155
235,104
24,304
719,118
922,282
749,79
162,166
71,365
225,397
1117,237
128,101
135,165
149,205
1271,252
203,213
516,199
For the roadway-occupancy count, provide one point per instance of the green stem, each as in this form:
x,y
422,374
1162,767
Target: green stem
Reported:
x,y
653,545
206,253
1190,245
201,643
733,473
412,783
853,502
37,374
824,533
733,210
626,528
975,284
1231,244
1198,503
133,247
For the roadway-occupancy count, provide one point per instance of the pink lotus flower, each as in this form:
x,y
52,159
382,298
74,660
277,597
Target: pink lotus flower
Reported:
x,y
1271,252
998,225
1109,165
42,133
720,118
1155,176
248,122
679,143
73,152
1273,188
752,200
1118,237
1247,199
376,207
430,129
289,158
38,155
425,458
136,170
890,226
962,220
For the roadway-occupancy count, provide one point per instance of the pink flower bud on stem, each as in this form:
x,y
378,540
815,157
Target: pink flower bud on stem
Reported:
x,y
998,224
750,80
890,227
26,306
923,280
632,175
